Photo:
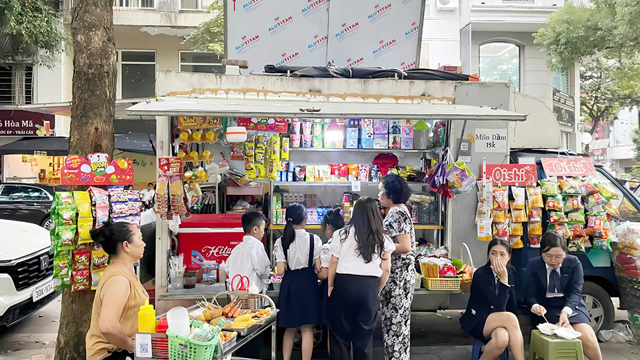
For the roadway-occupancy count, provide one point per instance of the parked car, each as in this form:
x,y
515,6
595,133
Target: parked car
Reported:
x,y
26,270
27,202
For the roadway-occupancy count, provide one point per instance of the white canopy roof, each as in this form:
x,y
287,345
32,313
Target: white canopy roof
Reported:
x,y
314,107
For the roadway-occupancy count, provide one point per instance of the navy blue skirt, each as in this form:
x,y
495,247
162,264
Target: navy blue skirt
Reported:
x,y
299,299
554,307
324,301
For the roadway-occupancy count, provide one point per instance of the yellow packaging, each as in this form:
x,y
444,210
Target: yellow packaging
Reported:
x,y
260,154
274,167
274,148
285,148
84,228
261,171
311,173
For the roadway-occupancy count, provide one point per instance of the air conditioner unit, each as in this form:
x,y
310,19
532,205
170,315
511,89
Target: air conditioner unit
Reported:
x,y
447,5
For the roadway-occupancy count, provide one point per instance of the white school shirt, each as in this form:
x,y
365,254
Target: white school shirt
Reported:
x,y
249,259
350,262
147,194
298,253
566,309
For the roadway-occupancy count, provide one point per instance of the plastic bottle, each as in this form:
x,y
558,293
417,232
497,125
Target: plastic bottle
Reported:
x,y
147,318
209,272
162,326
215,274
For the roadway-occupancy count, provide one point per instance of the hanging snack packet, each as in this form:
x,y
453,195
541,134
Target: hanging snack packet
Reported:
x,y
119,209
577,231
500,230
576,246
80,280
571,187
65,236
594,225
572,203
611,210
534,194
62,265
515,242
576,217
84,228
554,203
62,283
518,216
99,259
534,241
553,217
601,244
364,173
566,230
606,191
95,279
343,172
518,197
274,148
83,204
534,214
594,200
500,197
549,188
499,216
516,229
81,260
535,229
64,200
66,217
556,228
117,194
484,230
562,217
586,189
285,148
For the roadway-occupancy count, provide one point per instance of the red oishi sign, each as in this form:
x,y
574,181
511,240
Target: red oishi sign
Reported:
x,y
512,174
575,166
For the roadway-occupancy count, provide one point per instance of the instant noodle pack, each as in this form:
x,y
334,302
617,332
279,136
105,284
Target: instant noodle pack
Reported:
x,y
78,262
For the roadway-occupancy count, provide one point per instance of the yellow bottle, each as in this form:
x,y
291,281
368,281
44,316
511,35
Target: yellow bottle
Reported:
x,y
147,318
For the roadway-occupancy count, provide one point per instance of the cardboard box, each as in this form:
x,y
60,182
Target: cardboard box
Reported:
x,y
353,123
395,141
380,141
395,127
353,132
407,143
380,126
366,143
352,142
367,133
451,68
407,131
366,123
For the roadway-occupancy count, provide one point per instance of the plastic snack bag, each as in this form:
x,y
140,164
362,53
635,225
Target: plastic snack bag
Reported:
x,y
84,228
566,230
553,217
484,230
500,230
65,237
549,188
534,214
576,246
62,265
515,242
499,216
576,217
556,228
95,279
534,241
353,172
516,229
611,210
577,231
83,204
81,281
601,244
535,229
66,217
586,188
99,259
518,216
500,198
554,203
81,260
285,148
571,187
572,203
606,191
64,200
562,217
594,200
162,200
534,194
518,197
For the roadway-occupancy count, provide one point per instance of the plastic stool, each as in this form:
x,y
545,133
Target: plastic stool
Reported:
x,y
554,348
477,351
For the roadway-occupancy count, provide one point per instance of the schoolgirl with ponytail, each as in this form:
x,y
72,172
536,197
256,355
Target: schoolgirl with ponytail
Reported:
x,y
298,260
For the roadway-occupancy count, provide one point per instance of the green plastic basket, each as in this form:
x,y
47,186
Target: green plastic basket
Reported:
x,y
182,348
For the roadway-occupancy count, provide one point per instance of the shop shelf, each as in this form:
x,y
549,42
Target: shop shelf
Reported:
x,y
336,183
366,150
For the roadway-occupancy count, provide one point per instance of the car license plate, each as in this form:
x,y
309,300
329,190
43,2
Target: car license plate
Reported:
x,y
43,291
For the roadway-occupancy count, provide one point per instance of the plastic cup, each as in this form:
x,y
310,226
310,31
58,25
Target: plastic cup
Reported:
x,y
307,128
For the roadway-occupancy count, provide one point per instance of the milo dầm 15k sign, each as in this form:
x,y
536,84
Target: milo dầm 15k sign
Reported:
x,y
26,123
96,170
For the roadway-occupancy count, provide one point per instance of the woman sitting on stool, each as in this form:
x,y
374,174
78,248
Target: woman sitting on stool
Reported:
x,y
490,315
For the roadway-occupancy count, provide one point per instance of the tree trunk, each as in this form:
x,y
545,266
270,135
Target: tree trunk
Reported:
x,y
92,114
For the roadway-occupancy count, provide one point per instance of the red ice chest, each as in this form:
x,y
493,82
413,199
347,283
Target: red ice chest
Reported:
x,y
209,237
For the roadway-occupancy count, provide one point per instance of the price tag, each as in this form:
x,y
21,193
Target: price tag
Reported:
x,y
355,186
143,345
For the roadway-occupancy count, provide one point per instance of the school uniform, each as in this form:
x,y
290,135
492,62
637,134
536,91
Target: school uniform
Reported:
x,y
354,302
299,300
325,260
557,290
249,259
488,295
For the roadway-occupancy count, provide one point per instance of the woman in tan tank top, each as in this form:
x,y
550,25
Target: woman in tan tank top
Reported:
x,y
114,318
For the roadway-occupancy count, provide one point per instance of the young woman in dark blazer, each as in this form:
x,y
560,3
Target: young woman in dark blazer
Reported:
x,y
490,315
553,288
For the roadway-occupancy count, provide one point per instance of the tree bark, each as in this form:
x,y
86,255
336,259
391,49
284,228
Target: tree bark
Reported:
x,y
92,114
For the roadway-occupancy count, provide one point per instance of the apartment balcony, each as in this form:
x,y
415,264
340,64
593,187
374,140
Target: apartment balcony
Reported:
x,y
512,15
160,13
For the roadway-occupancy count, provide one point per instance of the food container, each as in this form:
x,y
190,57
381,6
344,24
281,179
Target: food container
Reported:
x,y
191,276
229,343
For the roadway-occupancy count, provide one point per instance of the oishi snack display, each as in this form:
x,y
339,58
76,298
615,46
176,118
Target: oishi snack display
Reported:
x,y
518,197
499,216
535,229
571,187
572,203
500,198
549,188
484,230
80,281
554,203
534,195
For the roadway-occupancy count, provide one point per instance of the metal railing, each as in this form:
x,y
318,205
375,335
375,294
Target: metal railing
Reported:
x,y
134,4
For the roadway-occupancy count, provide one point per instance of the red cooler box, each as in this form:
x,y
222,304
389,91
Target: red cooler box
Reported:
x,y
209,237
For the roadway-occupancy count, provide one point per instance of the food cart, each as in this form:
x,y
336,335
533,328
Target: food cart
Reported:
x,y
465,108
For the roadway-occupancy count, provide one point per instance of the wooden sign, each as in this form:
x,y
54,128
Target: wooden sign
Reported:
x,y
512,174
96,170
568,167
264,124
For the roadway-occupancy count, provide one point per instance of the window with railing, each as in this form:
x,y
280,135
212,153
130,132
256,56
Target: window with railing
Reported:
x,y
134,4
10,91
201,5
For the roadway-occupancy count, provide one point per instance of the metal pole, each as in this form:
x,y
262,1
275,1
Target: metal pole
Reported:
x,y
464,126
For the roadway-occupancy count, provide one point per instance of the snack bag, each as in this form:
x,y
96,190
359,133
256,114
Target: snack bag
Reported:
x,y
516,242
80,281
518,197
611,210
534,194
557,228
586,188
343,172
549,188
119,209
62,283
554,203
516,229
573,203
83,204
81,260
594,200
534,214
566,230
577,231
606,191
500,198
499,216
535,229
260,154
601,244
285,148
274,148
84,228
576,246
95,279
162,200
117,194
534,241
553,217
353,172
177,195
99,259
65,236
518,216
64,200
500,230
562,217
571,187
62,265
65,217
99,196
237,150
484,230
576,217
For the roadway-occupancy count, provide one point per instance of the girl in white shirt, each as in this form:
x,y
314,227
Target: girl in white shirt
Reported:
x,y
359,269
298,257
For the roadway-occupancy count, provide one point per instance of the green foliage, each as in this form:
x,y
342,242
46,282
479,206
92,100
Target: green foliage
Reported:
x,y
34,30
604,39
209,36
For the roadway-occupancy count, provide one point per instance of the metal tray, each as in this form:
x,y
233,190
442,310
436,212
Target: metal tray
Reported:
x,y
242,331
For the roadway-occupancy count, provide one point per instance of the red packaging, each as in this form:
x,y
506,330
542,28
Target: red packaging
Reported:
x,y
80,280
343,172
81,260
335,172
501,198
